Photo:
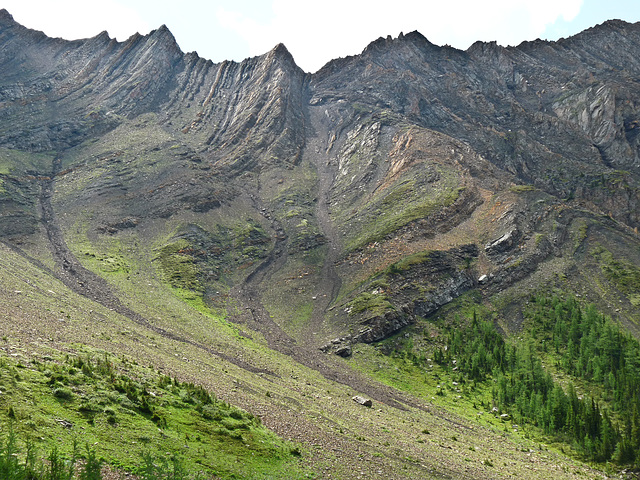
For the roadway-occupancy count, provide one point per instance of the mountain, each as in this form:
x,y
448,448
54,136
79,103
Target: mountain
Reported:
x,y
280,238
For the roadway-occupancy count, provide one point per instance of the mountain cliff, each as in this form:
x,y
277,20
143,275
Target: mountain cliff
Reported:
x,y
243,223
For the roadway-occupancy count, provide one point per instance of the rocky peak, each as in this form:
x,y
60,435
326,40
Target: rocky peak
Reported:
x,y
162,38
281,51
103,36
390,45
415,37
486,48
9,26
613,25
5,16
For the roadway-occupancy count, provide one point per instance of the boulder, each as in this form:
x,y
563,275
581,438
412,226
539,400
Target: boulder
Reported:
x,y
363,401
344,351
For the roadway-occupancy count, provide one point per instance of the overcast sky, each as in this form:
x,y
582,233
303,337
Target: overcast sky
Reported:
x,y
316,32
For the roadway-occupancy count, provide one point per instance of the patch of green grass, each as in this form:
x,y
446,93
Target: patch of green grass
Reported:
x,y
293,212
288,296
303,313
198,263
522,188
315,256
127,411
407,262
372,304
108,263
293,203
624,275
579,233
248,233
105,255
399,193
401,206
177,266
400,363
14,162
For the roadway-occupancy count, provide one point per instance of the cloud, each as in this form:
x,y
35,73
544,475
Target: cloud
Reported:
x,y
73,19
317,32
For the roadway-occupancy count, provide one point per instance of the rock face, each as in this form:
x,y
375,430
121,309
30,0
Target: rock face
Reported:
x,y
344,204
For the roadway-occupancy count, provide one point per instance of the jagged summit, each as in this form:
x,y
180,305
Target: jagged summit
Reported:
x,y
5,15
414,37
165,38
281,49
281,53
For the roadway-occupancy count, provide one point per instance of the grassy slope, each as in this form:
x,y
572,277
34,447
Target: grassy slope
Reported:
x,y
339,435
124,410
47,320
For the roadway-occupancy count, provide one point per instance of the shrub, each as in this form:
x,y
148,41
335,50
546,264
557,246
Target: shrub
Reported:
x,y
209,412
62,393
93,466
111,415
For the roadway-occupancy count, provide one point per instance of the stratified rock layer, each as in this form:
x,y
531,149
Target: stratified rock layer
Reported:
x,y
294,192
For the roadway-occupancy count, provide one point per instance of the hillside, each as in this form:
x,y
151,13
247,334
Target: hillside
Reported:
x,y
290,240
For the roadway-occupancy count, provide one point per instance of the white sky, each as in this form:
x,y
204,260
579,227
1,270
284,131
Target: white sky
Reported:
x,y
316,32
